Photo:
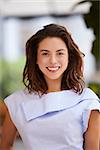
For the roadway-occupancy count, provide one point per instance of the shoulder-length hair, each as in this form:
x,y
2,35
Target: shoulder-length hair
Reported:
x,y
72,78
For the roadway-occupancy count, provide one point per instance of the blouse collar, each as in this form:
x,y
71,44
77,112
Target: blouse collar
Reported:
x,y
51,102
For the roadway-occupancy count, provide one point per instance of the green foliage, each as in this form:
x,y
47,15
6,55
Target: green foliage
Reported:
x,y
10,76
93,21
95,87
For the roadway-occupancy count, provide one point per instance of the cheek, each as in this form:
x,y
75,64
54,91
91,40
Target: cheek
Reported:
x,y
65,60
41,62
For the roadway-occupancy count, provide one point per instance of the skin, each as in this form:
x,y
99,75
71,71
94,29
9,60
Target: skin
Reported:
x,y
9,132
52,53
2,114
92,135
52,59
2,109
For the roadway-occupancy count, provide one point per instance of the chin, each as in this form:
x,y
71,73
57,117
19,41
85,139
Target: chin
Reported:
x,y
54,77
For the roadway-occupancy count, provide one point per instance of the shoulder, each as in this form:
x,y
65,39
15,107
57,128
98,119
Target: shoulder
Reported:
x,y
91,100
19,96
14,96
13,102
89,94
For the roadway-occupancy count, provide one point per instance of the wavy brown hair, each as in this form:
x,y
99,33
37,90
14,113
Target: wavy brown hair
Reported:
x,y
72,78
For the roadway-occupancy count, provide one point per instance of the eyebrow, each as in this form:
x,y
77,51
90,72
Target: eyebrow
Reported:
x,y
45,50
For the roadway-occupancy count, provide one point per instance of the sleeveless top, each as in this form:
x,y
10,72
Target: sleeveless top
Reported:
x,y
54,121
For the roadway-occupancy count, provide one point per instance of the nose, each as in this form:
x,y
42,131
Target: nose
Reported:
x,y
53,59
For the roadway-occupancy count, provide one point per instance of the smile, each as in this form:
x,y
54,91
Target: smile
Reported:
x,y
53,69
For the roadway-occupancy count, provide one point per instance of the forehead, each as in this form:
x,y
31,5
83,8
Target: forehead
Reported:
x,y
52,43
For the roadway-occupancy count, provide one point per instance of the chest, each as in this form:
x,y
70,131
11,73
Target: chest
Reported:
x,y
57,122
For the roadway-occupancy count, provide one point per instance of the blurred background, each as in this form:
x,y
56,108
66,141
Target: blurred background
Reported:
x,y
19,19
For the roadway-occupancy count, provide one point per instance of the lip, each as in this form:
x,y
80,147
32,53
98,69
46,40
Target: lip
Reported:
x,y
53,68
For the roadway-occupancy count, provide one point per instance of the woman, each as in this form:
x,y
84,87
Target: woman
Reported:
x,y
55,111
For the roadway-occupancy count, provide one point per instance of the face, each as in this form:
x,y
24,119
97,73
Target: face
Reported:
x,y
52,58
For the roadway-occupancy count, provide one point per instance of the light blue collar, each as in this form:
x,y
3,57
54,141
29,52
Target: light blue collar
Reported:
x,y
52,102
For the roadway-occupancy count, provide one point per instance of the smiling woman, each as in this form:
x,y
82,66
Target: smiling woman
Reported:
x,y
51,39
52,59
55,111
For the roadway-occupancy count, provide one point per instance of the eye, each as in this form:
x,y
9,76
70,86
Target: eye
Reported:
x,y
44,54
60,53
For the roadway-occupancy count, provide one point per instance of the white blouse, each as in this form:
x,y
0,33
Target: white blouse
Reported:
x,y
54,121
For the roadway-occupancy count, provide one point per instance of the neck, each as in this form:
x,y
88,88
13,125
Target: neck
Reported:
x,y
54,86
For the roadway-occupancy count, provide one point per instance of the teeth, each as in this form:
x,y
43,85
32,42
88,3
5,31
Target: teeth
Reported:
x,y
53,68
